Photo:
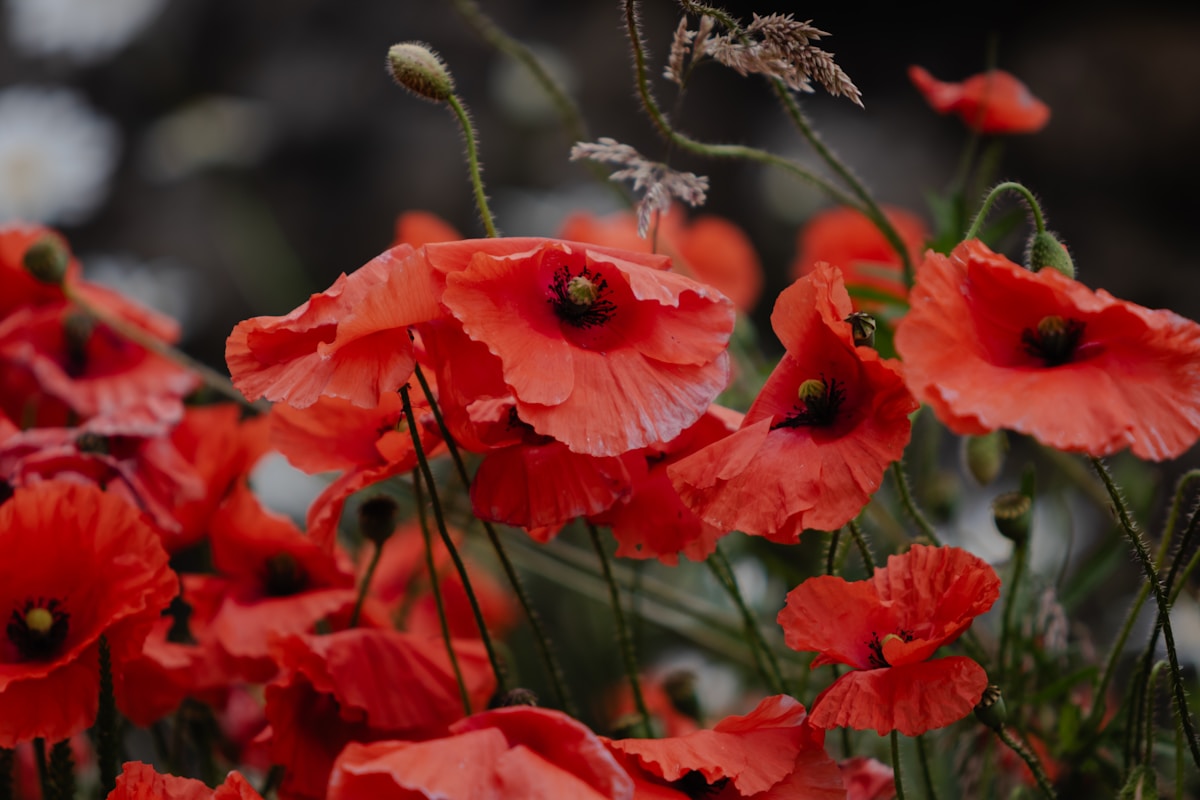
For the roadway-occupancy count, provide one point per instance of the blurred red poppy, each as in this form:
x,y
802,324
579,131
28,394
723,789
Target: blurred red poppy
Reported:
x,y
989,344
139,781
813,447
886,628
991,102
79,564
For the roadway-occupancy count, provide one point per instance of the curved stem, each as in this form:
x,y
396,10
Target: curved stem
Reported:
x,y
1020,553
439,518
436,586
464,121
910,506
897,768
864,549
684,142
1031,761
831,552
1148,713
1008,186
623,636
541,638
723,571
211,378
1160,596
366,585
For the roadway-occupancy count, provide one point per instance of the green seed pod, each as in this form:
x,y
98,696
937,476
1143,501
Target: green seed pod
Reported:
x,y
991,710
47,260
984,455
1045,250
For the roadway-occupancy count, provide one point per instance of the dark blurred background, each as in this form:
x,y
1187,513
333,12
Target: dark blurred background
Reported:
x,y
263,148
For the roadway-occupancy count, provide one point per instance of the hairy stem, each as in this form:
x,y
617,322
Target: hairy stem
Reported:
x,y
1008,186
481,203
719,564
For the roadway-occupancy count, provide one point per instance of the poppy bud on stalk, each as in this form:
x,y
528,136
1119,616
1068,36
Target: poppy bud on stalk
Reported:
x,y
420,70
377,519
1045,250
1013,513
47,260
991,710
984,455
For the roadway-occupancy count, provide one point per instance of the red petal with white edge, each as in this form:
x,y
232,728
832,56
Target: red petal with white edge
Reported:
x,y
911,699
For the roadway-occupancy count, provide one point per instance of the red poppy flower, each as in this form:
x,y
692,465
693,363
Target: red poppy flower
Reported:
x,y
886,628
139,781
988,344
602,349
525,752
417,228
769,754
363,685
710,249
79,564
867,779
274,581
351,341
814,445
846,238
991,102
155,683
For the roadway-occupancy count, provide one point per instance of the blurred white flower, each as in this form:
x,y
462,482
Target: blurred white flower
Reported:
x,y
215,131
82,30
56,155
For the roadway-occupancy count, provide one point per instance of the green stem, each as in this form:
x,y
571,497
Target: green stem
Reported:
x,y
108,748
864,549
650,105
131,333
1164,607
464,121
436,586
623,637
43,770
440,519
1030,759
271,780
897,768
1175,580
723,571
1008,186
1148,713
553,668
831,553
8,758
62,770
910,506
923,758
366,585
1020,557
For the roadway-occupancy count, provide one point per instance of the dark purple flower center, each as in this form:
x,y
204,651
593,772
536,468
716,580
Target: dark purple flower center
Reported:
x,y
817,405
581,299
37,629
1054,340
284,576
876,659
696,787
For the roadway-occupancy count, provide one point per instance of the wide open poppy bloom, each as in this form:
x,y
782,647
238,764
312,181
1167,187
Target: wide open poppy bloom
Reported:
x,y
813,447
989,344
991,102
525,752
846,238
79,564
602,349
363,685
769,754
139,781
350,341
708,248
886,628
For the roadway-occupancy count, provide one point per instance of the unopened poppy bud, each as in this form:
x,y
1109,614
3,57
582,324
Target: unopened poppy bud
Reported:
x,y
862,325
420,70
984,455
1045,250
516,697
1013,514
377,519
991,710
47,260
680,687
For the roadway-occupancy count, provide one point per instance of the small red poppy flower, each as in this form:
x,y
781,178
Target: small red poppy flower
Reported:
x,y
79,564
772,753
350,341
708,248
363,685
139,781
886,628
522,751
991,102
846,238
989,344
813,447
417,228
602,349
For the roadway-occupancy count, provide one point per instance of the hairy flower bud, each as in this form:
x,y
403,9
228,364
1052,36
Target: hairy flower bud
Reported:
x,y
420,70
377,519
47,260
984,455
1045,250
991,710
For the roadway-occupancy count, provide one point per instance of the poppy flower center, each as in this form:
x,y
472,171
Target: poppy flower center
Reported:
x,y
94,443
817,406
876,659
284,577
1054,340
38,629
581,300
77,330
696,787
